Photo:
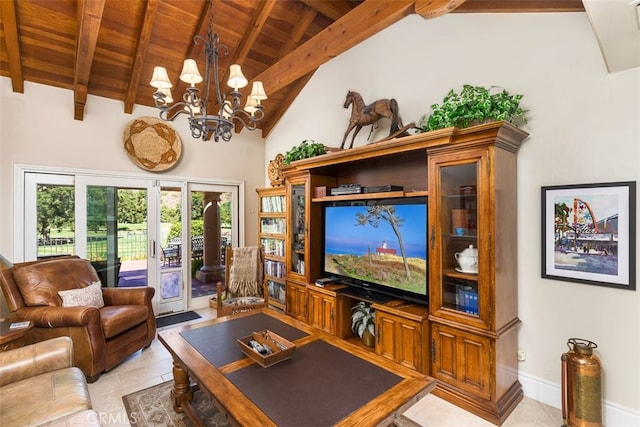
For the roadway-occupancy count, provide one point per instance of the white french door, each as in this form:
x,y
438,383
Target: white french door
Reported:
x,y
34,225
110,221
167,234
168,243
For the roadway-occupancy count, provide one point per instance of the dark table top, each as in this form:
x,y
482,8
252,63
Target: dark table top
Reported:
x,y
327,381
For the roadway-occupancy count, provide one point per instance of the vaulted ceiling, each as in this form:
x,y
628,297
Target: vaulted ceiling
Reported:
x,y
109,48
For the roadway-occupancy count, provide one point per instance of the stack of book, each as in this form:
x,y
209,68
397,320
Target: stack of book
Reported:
x,y
467,299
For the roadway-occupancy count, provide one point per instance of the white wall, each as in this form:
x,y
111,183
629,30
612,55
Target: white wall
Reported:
x,y
584,126
37,128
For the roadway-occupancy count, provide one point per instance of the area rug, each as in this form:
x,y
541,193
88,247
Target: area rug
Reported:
x,y
176,318
153,407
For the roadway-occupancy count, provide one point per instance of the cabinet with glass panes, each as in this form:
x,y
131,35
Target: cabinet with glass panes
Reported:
x,y
304,227
272,228
473,269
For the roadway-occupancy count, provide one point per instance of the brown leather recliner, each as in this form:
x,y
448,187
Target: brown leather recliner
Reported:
x,y
102,337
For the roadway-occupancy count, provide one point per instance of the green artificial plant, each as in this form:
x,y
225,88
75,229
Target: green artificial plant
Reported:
x,y
475,105
304,150
363,317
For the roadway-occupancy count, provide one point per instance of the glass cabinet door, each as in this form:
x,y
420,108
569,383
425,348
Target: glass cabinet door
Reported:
x,y
298,229
458,217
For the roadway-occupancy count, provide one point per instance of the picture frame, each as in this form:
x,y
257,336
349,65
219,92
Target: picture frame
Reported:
x,y
589,234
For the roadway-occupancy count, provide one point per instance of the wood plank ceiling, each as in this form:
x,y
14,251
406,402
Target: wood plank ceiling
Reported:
x,y
108,48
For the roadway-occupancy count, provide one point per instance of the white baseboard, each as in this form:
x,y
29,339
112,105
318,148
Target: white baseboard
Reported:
x,y
613,415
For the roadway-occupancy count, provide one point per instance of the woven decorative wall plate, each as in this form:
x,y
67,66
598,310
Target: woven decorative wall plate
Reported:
x,y
274,171
152,144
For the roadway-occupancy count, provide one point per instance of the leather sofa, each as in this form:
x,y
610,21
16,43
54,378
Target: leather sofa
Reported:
x,y
40,386
102,336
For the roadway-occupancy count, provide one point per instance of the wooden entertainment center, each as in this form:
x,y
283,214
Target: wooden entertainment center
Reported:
x,y
466,338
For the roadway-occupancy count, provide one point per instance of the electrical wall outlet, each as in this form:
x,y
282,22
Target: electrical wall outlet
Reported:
x,y
522,355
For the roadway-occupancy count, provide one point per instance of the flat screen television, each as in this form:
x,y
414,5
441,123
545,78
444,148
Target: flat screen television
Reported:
x,y
379,246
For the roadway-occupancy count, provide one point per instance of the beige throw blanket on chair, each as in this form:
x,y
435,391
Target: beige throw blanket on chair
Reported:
x,y
245,277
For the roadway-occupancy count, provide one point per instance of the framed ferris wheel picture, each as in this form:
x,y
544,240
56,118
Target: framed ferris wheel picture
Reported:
x,y
589,234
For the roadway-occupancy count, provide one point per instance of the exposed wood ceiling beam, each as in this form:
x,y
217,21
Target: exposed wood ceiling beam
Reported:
x,y
520,6
10,28
141,50
362,22
331,9
255,27
435,8
301,27
89,18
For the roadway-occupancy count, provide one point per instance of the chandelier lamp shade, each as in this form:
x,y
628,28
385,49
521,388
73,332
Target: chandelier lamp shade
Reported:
x,y
203,123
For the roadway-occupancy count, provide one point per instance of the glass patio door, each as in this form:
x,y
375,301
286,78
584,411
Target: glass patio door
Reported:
x,y
137,232
171,253
115,217
110,221
48,222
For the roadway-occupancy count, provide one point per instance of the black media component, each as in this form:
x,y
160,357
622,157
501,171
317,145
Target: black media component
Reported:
x,y
382,188
346,189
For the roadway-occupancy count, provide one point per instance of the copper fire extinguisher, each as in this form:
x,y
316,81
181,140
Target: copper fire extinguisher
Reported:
x,y
581,385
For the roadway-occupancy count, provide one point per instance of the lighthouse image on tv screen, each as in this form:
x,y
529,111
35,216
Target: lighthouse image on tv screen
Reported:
x,y
380,245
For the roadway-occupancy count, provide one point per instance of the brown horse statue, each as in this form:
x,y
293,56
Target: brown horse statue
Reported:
x,y
362,115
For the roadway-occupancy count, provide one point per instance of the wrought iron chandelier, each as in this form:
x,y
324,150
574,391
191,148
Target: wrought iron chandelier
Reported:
x,y
202,122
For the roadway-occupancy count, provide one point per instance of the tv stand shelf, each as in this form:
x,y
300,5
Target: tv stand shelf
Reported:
x,y
359,196
402,328
369,196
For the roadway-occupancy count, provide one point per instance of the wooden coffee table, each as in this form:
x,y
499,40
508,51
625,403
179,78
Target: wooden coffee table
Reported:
x,y
327,381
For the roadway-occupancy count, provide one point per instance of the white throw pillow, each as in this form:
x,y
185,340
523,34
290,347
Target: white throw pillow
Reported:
x,y
83,297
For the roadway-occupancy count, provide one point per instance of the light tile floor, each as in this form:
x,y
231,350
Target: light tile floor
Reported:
x,y
154,366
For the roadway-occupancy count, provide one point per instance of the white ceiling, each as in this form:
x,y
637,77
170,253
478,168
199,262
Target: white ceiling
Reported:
x,y
616,24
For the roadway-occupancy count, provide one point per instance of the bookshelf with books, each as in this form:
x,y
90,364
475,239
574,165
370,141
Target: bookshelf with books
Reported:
x,y
271,235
